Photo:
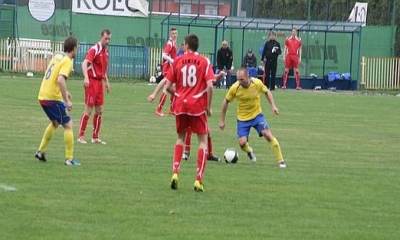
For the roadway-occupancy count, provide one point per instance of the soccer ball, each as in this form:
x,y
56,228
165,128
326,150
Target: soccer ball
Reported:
x,y
152,79
231,155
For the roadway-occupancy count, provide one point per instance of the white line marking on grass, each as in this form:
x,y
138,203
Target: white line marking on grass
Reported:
x,y
7,188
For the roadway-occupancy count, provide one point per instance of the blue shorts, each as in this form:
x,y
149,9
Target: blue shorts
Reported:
x,y
259,123
55,111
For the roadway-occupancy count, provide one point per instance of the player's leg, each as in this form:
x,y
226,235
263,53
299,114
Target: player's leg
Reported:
x,y
297,77
87,112
97,121
188,142
69,144
199,126
275,147
52,111
160,106
202,155
47,135
89,104
285,77
98,112
181,128
211,156
243,131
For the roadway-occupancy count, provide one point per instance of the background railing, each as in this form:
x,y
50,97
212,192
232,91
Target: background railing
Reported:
x,y
33,55
124,62
380,73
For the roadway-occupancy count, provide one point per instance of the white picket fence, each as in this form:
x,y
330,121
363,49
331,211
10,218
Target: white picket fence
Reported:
x,y
27,55
380,73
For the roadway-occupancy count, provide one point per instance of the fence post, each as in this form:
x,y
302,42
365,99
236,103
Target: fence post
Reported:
x,y
363,73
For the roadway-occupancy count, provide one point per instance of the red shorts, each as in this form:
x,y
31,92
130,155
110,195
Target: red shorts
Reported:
x,y
292,61
198,124
94,94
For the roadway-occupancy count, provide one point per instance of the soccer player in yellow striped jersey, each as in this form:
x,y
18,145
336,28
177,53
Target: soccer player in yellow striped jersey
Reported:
x,y
248,91
55,100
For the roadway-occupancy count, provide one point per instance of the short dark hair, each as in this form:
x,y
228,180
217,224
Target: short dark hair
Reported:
x,y
105,31
242,69
69,44
192,41
172,29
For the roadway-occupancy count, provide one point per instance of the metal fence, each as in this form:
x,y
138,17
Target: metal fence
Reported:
x,y
124,61
156,59
33,55
380,73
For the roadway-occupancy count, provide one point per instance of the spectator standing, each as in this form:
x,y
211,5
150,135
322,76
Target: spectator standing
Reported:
x,y
272,49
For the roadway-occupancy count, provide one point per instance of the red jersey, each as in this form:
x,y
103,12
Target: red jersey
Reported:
x,y
98,59
169,50
190,73
293,44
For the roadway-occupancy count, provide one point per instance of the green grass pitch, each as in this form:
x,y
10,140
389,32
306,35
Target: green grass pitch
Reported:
x,y
342,180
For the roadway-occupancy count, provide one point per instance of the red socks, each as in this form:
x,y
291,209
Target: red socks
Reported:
x,y
163,98
96,125
83,124
201,163
176,165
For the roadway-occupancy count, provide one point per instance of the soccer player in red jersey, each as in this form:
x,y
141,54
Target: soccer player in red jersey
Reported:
x,y
188,136
168,56
292,58
94,69
193,78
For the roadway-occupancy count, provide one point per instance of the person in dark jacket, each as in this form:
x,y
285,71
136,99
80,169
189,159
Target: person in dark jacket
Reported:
x,y
250,59
224,62
272,49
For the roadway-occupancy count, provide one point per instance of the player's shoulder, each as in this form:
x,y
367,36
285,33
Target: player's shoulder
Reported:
x,y
234,86
96,48
298,38
256,81
169,43
203,58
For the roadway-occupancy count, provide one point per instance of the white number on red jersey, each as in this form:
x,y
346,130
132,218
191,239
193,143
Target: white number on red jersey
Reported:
x,y
189,76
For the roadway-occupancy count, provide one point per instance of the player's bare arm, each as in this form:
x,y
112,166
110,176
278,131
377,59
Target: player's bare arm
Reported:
x,y
157,90
85,67
220,75
64,92
107,84
209,97
224,109
271,101
167,58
